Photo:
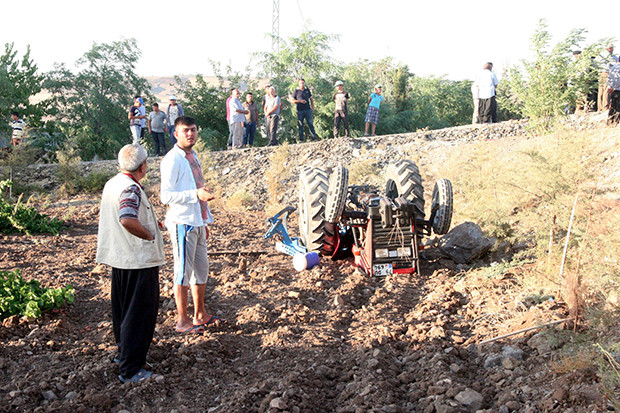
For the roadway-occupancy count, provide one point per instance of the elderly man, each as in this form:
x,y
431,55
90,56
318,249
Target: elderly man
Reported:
x,y
273,104
172,113
182,188
237,118
130,242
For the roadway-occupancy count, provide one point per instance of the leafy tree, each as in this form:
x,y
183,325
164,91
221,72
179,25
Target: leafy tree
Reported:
x,y
440,103
306,56
91,105
19,81
553,81
400,90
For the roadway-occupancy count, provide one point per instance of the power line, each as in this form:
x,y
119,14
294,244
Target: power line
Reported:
x,y
300,13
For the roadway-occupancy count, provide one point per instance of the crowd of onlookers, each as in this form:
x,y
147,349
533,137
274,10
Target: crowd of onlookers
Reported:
x,y
243,117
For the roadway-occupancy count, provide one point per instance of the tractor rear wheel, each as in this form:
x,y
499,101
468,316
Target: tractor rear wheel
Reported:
x,y
313,186
404,179
336,194
442,204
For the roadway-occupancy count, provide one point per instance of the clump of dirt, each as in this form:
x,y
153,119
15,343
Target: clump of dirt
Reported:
x,y
328,339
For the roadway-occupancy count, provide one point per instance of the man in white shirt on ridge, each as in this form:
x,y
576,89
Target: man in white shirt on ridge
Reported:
x,y
486,82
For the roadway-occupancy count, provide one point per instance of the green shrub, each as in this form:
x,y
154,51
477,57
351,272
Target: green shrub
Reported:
x,y
28,298
94,181
22,218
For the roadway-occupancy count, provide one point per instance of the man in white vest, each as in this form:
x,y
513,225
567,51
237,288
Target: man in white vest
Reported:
x,y
130,242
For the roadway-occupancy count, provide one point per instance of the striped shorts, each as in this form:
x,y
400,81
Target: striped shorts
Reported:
x,y
372,115
189,249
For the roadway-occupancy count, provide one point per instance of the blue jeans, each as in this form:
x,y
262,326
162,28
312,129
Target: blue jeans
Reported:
x,y
135,133
172,138
248,133
307,115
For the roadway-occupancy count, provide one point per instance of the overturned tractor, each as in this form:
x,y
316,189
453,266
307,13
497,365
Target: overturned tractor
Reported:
x,y
382,230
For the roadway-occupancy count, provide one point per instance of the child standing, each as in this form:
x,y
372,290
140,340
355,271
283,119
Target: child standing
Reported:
x,y
372,114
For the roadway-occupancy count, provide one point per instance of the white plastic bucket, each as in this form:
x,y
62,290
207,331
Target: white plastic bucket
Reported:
x,y
305,261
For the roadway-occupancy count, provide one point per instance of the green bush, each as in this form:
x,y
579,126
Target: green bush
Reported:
x,y
22,218
28,298
94,181
551,84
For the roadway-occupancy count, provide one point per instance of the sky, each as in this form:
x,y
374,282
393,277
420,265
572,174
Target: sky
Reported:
x,y
440,38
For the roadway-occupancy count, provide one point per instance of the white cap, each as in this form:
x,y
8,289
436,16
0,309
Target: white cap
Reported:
x,y
172,97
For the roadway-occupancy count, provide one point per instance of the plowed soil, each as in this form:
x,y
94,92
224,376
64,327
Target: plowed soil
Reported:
x,y
325,340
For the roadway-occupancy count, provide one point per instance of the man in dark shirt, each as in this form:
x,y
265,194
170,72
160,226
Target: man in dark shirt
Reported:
x,y
250,120
305,105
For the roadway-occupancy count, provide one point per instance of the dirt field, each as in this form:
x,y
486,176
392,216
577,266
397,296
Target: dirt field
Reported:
x,y
324,340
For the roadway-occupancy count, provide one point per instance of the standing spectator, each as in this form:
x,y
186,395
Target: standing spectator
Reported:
x,y
230,132
157,128
182,188
172,113
130,242
486,82
372,113
302,98
250,120
606,62
237,117
142,120
474,93
18,127
135,120
613,95
341,97
273,105
265,97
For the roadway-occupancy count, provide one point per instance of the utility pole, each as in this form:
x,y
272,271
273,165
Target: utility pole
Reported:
x,y
275,27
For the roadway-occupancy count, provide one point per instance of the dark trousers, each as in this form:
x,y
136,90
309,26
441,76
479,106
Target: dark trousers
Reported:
x,y
614,108
487,110
160,143
272,129
248,133
307,115
341,116
135,300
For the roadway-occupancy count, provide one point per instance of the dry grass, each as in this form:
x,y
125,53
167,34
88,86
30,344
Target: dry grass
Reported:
x,y
211,178
523,190
364,170
241,200
277,172
581,359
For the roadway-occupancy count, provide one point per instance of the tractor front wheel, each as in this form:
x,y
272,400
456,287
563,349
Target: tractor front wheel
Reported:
x,y
442,206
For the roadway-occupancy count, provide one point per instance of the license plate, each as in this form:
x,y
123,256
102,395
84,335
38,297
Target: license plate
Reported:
x,y
382,269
